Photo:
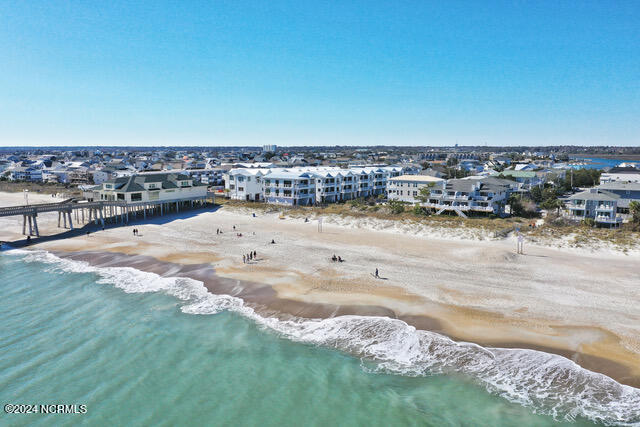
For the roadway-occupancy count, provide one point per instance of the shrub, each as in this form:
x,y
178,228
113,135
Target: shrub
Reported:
x,y
420,211
589,222
396,207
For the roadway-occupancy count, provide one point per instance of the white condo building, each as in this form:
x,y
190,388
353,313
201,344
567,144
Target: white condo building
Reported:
x,y
309,185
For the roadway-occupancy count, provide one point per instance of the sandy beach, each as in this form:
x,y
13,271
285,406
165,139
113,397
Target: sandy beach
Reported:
x,y
583,305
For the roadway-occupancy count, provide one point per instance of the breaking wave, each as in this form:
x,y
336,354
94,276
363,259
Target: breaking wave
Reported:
x,y
546,383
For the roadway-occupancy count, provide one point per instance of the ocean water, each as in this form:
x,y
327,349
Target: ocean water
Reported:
x,y
139,349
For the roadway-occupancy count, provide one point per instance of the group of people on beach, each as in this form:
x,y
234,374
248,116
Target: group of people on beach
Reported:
x,y
218,231
249,257
136,232
335,258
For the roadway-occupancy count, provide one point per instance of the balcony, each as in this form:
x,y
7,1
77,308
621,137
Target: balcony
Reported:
x,y
605,208
608,219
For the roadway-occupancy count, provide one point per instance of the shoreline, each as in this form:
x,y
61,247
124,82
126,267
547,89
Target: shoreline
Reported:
x,y
576,303
265,301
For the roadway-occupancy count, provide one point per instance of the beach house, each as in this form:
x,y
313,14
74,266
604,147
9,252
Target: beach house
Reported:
x,y
597,204
627,191
463,196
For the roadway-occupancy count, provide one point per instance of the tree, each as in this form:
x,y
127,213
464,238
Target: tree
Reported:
x,y
536,194
396,207
551,204
424,193
521,206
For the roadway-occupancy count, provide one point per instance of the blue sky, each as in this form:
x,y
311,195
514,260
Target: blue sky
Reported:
x,y
319,73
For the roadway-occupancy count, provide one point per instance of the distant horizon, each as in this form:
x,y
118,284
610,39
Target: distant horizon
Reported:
x,y
282,147
242,73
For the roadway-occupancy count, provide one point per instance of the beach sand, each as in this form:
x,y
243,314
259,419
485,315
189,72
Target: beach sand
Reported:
x,y
582,305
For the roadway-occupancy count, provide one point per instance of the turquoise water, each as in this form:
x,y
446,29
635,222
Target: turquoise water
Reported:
x,y
73,335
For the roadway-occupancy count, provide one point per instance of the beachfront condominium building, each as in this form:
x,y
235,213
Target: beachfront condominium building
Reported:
x,y
407,188
291,188
309,185
463,196
152,187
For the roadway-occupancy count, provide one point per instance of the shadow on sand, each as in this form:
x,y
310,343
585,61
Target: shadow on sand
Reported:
x,y
93,228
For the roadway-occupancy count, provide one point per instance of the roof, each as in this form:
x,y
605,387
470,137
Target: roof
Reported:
x,y
620,185
416,178
519,174
594,195
624,169
136,182
287,175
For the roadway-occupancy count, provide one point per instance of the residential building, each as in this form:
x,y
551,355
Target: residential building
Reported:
x,y
627,191
245,184
621,174
599,205
406,188
463,196
291,188
528,179
328,184
21,173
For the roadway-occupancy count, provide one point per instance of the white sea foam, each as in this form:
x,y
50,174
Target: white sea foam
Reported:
x,y
545,382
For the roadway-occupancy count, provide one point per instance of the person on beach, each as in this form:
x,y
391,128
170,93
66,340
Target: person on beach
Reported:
x,y
377,275
334,258
340,259
234,228
273,242
134,231
255,254
244,259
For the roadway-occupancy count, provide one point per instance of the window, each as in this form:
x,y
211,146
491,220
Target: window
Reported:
x,y
136,197
120,196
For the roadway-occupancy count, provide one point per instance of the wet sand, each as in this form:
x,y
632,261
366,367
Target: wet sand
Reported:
x,y
266,302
